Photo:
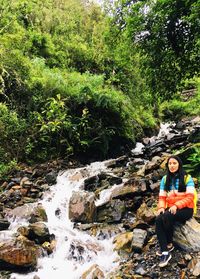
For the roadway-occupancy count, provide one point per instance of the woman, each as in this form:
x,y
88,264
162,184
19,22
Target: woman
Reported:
x,y
176,203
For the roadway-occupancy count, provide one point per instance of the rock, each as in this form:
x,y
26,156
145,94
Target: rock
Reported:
x,y
31,212
188,236
49,246
194,137
139,239
153,164
112,211
145,213
118,162
155,186
132,187
39,233
95,182
82,252
38,214
18,254
51,177
188,257
123,241
140,270
194,267
94,272
79,175
4,224
180,125
82,207
25,182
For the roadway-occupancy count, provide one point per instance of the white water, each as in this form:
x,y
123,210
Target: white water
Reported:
x,y
58,265
138,148
165,129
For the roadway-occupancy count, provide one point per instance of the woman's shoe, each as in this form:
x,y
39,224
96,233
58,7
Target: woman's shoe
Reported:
x,y
164,260
170,247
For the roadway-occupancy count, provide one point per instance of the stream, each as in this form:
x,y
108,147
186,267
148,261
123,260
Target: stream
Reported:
x,y
60,263
68,260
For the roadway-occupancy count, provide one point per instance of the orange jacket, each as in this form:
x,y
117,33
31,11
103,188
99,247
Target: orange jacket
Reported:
x,y
173,197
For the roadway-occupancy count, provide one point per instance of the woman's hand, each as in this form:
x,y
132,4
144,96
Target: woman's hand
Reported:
x,y
160,211
173,209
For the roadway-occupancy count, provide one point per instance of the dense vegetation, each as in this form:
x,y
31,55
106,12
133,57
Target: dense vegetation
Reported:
x,y
77,79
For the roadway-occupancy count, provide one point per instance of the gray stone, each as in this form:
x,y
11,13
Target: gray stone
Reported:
x,y
139,239
187,236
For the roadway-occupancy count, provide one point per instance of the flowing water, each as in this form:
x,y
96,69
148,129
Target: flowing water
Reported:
x,y
59,264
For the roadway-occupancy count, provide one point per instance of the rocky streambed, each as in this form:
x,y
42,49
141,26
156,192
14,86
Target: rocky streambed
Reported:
x,y
117,202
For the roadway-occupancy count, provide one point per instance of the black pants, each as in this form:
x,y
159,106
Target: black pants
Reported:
x,y
165,225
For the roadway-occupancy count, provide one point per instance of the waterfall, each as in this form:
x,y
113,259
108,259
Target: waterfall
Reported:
x,y
59,264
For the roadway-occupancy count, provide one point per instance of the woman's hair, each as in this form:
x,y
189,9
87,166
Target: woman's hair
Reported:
x,y
180,173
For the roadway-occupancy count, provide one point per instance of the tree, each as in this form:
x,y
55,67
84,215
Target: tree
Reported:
x,y
166,33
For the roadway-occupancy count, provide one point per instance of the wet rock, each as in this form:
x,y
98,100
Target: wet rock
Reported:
x,y
98,181
94,272
4,224
51,177
83,251
38,214
194,137
153,164
82,207
155,186
130,188
112,211
49,246
31,212
119,162
18,254
188,236
180,125
39,232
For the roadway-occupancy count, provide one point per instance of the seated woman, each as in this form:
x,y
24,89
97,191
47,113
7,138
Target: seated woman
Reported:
x,y
176,203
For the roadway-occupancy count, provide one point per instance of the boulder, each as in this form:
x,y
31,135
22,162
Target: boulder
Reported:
x,y
112,211
82,207
139,240
94,272
31,212
132,187
4,224
19,253
123,241
145,213
187,236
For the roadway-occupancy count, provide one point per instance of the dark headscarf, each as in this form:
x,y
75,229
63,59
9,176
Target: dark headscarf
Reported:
x,y
180,173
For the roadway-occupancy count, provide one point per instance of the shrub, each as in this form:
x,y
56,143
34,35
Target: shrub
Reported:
x,y
12,134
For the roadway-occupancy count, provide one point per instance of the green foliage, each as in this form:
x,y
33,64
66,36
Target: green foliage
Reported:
x,y
75,80
6,169
193,165
177,108
167,36
12,134
82,114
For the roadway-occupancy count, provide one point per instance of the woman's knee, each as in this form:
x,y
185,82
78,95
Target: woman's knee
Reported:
x,y
159,219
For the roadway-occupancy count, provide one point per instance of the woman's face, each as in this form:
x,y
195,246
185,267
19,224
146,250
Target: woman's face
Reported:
x,y
173,165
